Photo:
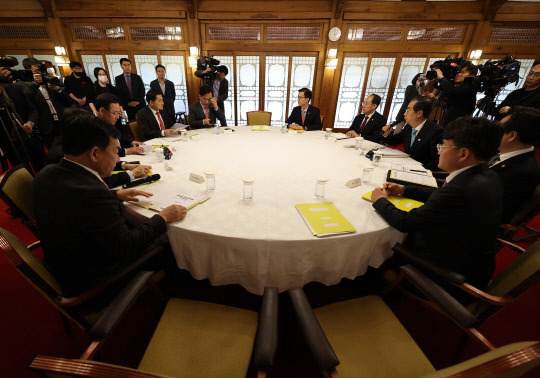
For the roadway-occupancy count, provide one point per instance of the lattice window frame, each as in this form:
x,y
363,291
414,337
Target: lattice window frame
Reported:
x,y
520,30
135,30
316,33
20,31
119,28
433,28
256,37
394,36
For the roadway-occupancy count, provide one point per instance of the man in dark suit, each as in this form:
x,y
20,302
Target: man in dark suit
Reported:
x,y
369,124
305,116
217,81
517,165
205,112
420,136
153,121
166,89
82,225
49,100
458,224
18,140
131,89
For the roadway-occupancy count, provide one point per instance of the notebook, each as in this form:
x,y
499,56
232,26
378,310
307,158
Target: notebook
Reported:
x,y
324,219
402,203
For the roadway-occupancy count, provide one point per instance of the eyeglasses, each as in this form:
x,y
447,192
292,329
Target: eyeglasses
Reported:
x,y
441,147
299,97
116,114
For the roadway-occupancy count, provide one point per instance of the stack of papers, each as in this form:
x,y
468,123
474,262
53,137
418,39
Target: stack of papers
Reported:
x,y
165,195
323,219
402,203
408,178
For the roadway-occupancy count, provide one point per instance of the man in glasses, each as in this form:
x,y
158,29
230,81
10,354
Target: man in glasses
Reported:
x,y
458,224
305,116
370,123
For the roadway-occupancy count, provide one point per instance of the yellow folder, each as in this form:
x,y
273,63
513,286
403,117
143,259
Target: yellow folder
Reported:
x,y
260,128
402,203
323,219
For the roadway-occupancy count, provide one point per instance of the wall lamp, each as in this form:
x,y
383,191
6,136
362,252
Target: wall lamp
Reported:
x,y
331,60
193,56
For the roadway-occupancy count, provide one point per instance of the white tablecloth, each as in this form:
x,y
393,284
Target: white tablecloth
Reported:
x,y
265,242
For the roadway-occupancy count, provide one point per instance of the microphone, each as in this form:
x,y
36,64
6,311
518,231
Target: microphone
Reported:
x,y
146,180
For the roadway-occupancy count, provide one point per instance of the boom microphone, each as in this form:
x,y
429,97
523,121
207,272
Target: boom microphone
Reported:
x,y
146,180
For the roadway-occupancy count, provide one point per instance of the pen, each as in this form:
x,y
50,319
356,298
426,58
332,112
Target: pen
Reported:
x,y
134,162
415,170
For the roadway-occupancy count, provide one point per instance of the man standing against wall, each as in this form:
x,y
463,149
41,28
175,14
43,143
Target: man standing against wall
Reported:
x,y
131,89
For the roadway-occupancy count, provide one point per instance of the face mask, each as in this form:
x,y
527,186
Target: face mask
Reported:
x,y
103,79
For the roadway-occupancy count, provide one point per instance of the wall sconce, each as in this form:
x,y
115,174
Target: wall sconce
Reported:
x,y
475,54
60,50
192,61
332,53
193,51
61,60
193,56
331,63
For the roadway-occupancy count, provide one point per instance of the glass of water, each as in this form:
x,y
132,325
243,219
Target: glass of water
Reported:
x,y
210,181
328,133
359,141
366,175
320,186
248,188
377,157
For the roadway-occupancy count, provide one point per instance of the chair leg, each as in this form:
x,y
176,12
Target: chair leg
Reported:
x,y
532,234
65,323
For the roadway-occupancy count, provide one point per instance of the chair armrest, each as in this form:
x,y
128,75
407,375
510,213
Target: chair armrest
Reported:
x,y
115,276
454,308
311,329
429,265
119,305
265,347
515,247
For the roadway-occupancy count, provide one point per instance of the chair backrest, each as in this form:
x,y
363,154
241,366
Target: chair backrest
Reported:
x,y
16,192
134,127
528,211
322,122
33,270
516,278
259,118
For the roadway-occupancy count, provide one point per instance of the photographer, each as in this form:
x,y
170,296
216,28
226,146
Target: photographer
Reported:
x,y
215,78
17,119
47,97
78,86
528,96
460,97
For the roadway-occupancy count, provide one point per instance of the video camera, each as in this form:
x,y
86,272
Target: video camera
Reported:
x,y
495,75
9,62
449,67
205,62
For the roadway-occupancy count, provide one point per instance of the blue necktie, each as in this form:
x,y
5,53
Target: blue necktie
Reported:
x,y
413,135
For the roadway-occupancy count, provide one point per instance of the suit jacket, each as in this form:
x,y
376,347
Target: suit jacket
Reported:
x,y
460,100
223,85
519,175
458,224
312,121
82,227
137,89
424,147
520,97
196,116
373,128
148,124
168,97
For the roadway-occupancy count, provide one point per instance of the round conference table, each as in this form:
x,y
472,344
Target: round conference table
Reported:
x,y
265,242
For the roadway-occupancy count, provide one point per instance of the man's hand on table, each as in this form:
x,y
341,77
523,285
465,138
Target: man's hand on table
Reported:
x,y
168,132
141,170
296,126
131,194
388,189
173,213
351,134
134,150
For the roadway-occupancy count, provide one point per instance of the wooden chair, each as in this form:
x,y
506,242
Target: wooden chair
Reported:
x,y
259,118
322,122
16,191
522,274
363,338
192,339
72,308
134,127
525,214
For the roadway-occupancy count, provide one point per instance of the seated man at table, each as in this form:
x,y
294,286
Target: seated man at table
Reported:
x,y
517,165
205,112
153,120
420,136
305,116
458,224
369,124
82,225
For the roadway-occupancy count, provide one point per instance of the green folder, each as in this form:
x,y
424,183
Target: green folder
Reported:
x,y
323,219
402,203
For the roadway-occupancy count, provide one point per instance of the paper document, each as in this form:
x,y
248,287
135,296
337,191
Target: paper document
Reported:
x,y
165,195
402,203
323,219
390,152
178,126
339,136
260,128
401,177
418,169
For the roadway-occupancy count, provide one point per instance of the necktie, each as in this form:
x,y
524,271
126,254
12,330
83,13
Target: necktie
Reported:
x,y
128,81
161,125
206,112
303,117
413,136
363,126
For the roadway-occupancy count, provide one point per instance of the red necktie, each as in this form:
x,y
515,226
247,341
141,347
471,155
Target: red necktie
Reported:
x,y
161,125
303,117
363,124
206,112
